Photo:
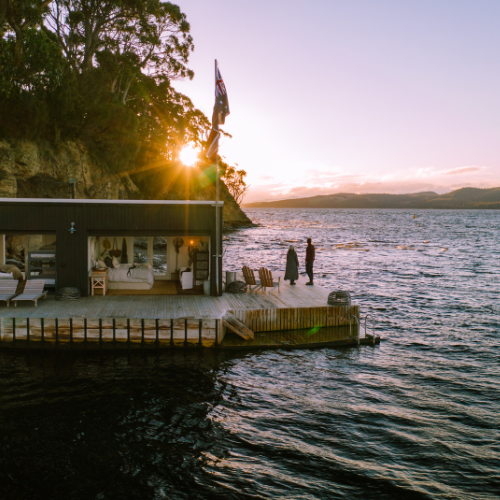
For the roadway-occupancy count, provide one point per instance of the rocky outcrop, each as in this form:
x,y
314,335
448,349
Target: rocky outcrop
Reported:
x,y
32,170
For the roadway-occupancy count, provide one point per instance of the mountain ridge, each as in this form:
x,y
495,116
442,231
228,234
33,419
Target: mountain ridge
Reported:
x,y
471,198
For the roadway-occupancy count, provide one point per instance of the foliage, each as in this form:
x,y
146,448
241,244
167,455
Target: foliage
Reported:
x,y
235,182
99,71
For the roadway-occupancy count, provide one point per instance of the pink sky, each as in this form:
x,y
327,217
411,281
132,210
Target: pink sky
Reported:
x,y
358,96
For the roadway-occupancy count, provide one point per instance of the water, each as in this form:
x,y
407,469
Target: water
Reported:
x,y
416,417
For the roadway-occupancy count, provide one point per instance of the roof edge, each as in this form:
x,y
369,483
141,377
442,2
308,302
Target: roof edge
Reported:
x,y
110,202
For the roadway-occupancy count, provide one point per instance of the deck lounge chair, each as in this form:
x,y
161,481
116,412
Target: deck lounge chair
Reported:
x,y
33,290
266,280
8,290
250,280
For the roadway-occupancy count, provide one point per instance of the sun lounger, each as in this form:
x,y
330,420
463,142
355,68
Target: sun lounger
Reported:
x,y
266,280
250,280
33,290
8,290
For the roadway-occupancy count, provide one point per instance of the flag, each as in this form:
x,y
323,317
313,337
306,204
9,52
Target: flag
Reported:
x,y
221,110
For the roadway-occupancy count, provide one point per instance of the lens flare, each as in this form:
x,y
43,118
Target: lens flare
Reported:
x,y
188,156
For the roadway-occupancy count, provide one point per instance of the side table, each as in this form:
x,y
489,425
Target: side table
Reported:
x,y
99,280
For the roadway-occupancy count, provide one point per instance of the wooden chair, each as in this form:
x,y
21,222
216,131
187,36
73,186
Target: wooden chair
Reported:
x,y
250,280
266,280
33,290
8,290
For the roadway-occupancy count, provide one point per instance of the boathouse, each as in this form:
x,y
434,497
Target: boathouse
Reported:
x,y
71,236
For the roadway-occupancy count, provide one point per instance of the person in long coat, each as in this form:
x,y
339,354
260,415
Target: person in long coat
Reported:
x,y
292,266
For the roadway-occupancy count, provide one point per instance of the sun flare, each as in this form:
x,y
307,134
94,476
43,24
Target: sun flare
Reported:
x,y
188,156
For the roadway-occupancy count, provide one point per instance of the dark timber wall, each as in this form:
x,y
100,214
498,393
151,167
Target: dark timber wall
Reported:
x,y
93,219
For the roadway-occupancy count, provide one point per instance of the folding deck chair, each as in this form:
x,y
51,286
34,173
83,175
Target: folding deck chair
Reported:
x,y
250,280
33,290
8,290
266,280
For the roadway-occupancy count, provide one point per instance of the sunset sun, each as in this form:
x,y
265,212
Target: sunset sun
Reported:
x,y
188,156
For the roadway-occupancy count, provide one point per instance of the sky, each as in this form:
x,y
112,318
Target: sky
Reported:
x,y
328,96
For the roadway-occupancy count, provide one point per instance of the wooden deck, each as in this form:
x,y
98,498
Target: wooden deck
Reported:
x,y
169,306
176,320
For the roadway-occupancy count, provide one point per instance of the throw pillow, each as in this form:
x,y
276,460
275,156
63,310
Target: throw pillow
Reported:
x,y
109,262
116,264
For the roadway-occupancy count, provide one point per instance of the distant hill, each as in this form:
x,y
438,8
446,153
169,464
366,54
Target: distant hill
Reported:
x,y
461,198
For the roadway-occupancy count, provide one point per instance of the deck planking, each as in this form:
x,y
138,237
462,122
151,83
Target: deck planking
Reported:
x,y
170,306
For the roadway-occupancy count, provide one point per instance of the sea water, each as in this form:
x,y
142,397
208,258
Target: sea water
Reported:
x,y
416,417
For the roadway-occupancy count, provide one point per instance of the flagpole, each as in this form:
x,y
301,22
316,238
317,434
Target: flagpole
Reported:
x,y
217,196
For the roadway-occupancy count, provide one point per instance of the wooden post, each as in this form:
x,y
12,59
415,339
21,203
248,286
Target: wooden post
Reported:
x,y
100,333
157,326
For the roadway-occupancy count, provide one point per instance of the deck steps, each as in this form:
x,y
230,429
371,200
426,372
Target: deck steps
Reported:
x,y
237,326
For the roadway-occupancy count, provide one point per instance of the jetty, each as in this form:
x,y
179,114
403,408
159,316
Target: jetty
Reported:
x,y
130,303
293,317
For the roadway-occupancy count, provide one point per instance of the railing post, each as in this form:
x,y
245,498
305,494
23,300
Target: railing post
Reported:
x,y
373,327
357,327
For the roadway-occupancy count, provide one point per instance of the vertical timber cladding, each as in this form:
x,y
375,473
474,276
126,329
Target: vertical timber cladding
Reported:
x,y
297,318
107,218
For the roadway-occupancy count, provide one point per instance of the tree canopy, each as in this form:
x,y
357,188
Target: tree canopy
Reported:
x,y
98,71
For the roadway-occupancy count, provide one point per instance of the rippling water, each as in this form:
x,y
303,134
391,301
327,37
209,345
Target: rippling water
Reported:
x,y
416,417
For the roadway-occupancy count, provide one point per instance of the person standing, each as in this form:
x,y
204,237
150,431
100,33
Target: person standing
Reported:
x,y
310,255
292,266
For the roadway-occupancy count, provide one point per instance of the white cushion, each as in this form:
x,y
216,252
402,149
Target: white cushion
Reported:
x,y
101,263
116,264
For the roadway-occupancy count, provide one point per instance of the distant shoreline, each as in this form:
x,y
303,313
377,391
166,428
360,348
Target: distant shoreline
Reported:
x,y
461,199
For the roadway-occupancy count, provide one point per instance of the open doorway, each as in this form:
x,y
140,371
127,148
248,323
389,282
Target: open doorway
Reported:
x,y
29,256
151,265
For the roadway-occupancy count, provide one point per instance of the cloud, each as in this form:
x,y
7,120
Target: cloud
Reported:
x,y
462,170
322,181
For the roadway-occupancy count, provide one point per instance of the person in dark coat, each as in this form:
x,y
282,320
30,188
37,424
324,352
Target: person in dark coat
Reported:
x,y
310,255
292,266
